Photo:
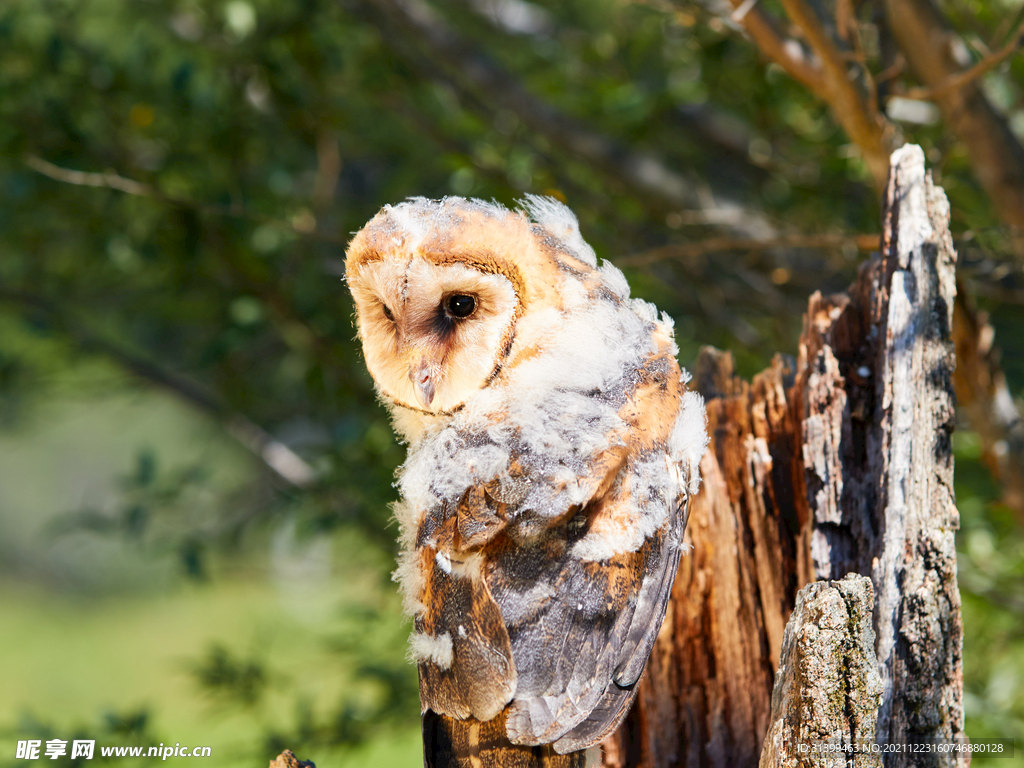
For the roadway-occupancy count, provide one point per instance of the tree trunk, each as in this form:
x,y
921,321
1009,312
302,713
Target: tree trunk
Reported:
x,y
838,462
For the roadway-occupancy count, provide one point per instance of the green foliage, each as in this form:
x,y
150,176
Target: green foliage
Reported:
x,y
254,136
990,564
234,679
129,728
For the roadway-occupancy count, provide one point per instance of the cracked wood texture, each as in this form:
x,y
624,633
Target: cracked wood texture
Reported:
x,y
828,686
836,462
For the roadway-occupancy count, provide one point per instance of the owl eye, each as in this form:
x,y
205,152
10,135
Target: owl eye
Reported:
x,y
387,313
460,305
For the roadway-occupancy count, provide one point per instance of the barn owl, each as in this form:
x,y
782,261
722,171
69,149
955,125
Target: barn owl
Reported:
x,y
553,447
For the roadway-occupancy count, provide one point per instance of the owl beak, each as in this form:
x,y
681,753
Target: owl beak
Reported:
x,y
424,382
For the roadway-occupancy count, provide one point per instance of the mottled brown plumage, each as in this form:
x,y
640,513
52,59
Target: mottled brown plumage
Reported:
x,y
553,448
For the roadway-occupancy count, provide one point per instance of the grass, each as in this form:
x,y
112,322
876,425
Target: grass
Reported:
x,y
96,632
68,664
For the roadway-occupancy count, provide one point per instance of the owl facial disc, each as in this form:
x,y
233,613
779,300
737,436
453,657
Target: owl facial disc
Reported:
x,y
433,329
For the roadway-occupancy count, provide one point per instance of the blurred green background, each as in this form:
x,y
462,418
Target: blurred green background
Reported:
x,y
195,543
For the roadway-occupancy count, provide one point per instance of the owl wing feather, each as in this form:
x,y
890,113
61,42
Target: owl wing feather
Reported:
x,y
474,673
646,621
594,612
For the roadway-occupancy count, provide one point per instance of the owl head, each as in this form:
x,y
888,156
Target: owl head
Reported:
x,y
440,287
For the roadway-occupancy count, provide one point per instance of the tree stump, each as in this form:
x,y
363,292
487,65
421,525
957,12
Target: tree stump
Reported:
x,y
838,462
828,687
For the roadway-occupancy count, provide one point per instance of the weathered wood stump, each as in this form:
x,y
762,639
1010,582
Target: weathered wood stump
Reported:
x,y
828,687
834,463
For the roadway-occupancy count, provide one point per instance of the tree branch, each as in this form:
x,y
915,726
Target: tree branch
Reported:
x,y
961,79
111,180
861,123
1008,23
466,68
830,82
866,242
415,30
763,30
996,156
277,456
984,398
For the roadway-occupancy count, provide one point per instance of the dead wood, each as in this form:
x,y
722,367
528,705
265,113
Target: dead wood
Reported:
x,y
837,462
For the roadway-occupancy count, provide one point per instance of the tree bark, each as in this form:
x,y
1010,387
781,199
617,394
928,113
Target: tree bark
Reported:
x,y
837,463
828,687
